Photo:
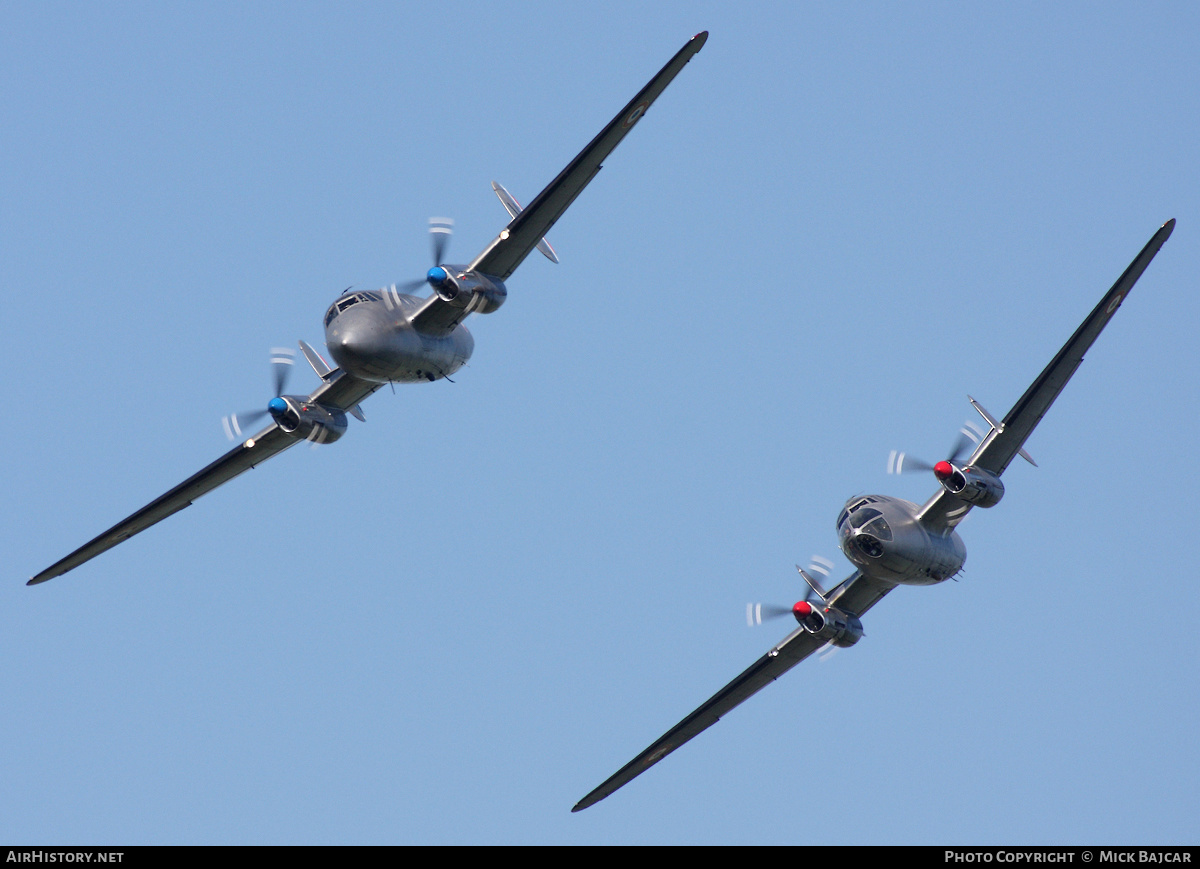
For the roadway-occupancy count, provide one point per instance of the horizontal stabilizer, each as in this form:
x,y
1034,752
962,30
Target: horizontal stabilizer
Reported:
x,y
514,208
318,364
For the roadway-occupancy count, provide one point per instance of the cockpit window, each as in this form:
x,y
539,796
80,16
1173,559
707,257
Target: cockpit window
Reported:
x,y
854,508
347,301
879,528
861,517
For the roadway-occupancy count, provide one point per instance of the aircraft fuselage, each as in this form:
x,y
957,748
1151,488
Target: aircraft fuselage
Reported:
x,y
369,335
884,539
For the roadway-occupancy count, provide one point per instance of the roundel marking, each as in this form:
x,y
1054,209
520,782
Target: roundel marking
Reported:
x,y
635,114
658,755
1112,306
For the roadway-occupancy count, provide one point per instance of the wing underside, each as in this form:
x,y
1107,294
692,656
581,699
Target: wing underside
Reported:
x,y
858,590
795,648
521,236
527,229
1006,440
338,390
243,457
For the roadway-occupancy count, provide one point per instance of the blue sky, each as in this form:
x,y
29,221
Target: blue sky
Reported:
x,y
448,627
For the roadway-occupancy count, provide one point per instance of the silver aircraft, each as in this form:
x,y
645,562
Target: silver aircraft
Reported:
x,y
390,336
894,542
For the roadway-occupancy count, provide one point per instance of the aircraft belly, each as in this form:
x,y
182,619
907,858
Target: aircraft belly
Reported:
x,y
374,346
940,559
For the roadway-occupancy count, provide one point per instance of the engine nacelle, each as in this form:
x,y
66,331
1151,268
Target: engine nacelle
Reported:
x,y
308,421
829,624
981,488
476,293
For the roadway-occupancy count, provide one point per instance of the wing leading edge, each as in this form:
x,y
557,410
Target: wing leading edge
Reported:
x,y
856,594
1005,440
338,390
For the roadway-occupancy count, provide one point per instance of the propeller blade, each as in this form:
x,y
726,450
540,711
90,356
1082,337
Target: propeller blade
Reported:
x,y
282,360
235,421
903,463
965,439
820,565
440,230
816,575
756,613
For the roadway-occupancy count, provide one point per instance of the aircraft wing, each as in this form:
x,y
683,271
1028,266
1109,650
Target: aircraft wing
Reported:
x,y
501,257
796,646
1006,439
342,390
339,390
244,456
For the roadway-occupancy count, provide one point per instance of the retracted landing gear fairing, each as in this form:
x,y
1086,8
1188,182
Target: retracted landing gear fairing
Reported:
x,y
895,542
389,336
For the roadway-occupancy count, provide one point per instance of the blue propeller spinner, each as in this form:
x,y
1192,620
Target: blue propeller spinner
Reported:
x,y
277,407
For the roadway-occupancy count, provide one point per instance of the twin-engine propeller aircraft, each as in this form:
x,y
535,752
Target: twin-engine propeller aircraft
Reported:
x,y
389,336
895,542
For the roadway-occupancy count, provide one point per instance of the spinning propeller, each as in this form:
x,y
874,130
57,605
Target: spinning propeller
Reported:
x,y
282,360
757,613
903,463
440,230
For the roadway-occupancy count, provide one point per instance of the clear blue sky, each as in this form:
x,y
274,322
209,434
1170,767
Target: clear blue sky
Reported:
x,y
448,627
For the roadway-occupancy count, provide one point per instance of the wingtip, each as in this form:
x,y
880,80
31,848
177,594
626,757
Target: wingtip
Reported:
x,y
702,36
1169,226
44,576
591,799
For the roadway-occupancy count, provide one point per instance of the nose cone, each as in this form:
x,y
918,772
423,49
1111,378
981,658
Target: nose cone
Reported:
x,y
942,470
356,338
355,351
436,276
366,341
801,609
351,344
277,407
